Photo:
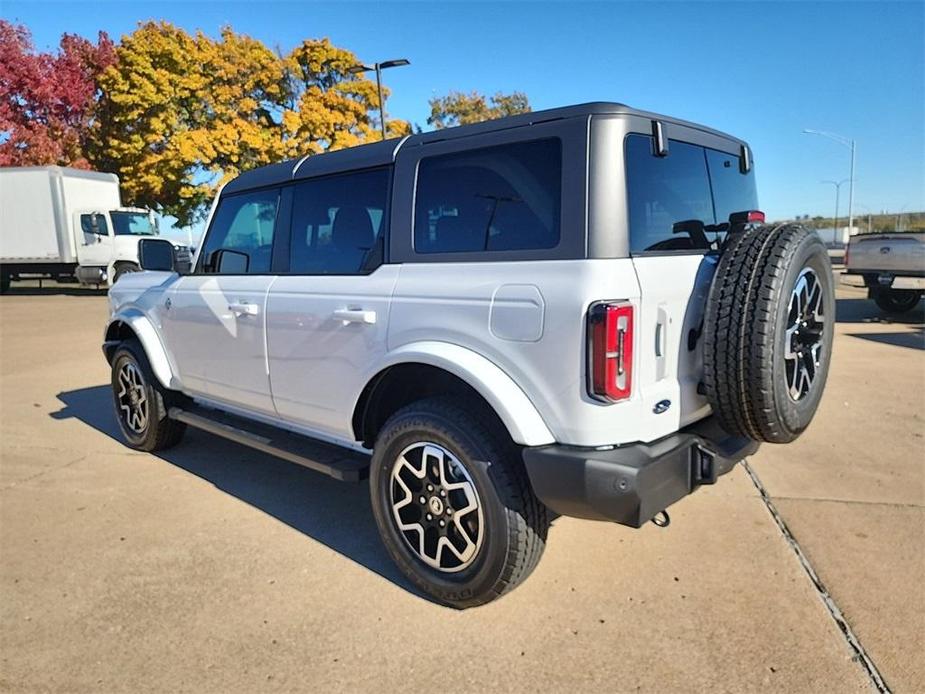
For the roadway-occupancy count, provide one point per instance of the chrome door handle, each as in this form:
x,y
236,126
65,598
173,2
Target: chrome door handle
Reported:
x,y
243,309
355,315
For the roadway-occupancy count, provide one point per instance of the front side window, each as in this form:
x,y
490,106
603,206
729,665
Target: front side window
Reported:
x,y
243,225
500,198
94,224
338,223
132,223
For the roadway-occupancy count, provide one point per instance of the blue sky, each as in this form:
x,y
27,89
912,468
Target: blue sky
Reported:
x,y
762,71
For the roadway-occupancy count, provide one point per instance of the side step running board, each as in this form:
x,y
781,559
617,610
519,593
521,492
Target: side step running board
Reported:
x,y
334,461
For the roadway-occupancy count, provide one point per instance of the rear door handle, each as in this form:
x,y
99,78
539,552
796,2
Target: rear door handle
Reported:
x,y
243,308
355,315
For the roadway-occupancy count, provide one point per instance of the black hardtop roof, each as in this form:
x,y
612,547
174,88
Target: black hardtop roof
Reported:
x,y
383,153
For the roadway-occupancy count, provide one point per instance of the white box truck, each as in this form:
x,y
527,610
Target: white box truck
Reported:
x,y
68,223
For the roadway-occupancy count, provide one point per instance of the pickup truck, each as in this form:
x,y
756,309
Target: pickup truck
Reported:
x,y
891,266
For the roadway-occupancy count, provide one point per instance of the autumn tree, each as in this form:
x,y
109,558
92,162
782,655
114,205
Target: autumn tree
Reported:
x,y
458,108
48,102
184,113
330,107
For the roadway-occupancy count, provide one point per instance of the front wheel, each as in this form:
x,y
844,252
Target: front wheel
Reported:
x,y
141,403
453,503
123,269
897,300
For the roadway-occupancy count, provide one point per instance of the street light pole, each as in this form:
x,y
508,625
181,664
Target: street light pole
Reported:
x,y
838,185
850,144
378,68
381,100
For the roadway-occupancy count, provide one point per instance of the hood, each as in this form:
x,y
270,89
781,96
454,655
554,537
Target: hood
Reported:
x,y
132,285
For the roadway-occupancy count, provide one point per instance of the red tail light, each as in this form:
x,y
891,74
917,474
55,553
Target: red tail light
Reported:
x,y
610,350
747,217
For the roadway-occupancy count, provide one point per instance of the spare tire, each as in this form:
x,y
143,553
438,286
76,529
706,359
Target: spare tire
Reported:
x,y
768,332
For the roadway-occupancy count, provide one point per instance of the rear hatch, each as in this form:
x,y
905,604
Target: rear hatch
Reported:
x,y
679,206
894,253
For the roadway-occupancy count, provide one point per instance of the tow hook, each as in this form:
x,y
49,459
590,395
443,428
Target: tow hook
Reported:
x,y
662,519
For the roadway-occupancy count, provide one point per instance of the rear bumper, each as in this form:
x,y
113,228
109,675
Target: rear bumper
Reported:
x,y
885,280
631,484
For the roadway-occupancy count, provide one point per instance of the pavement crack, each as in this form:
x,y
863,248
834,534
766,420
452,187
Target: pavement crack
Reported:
x,y
860,654
42,473
891,504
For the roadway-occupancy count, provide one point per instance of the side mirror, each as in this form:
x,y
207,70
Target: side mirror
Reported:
x,y
228,262
156,254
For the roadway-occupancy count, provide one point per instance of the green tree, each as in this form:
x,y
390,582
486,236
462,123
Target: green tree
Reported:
x,y
459,108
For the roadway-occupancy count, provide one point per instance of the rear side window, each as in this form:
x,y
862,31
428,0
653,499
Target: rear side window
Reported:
x,y
491,199
682,202
244,224
338,223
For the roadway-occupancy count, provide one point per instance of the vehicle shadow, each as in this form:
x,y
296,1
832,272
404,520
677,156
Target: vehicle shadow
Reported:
x,y
866,311
914,339
336,514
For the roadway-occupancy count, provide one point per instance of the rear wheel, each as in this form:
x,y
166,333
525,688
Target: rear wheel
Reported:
x,y
768,332
897,300
141,403
453,504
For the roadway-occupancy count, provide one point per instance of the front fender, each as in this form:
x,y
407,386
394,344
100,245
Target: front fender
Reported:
x,y
144,330
521,418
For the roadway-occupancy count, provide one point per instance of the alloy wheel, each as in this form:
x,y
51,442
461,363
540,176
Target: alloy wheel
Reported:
x,y
436,507
133,398
804,337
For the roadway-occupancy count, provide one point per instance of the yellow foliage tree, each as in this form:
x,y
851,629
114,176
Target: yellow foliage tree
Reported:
x,y
182,114
459,108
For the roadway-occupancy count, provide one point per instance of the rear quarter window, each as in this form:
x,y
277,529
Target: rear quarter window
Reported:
x,y
501,198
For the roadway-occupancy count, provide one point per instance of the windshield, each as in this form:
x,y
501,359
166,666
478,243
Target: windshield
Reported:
x,y
132,224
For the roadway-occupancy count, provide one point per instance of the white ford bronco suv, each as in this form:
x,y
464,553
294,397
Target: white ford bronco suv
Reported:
x,y
569,312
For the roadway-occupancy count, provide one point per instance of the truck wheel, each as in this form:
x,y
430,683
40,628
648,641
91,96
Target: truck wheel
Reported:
x,y
141,403
768,332
453,503
897,300
122,269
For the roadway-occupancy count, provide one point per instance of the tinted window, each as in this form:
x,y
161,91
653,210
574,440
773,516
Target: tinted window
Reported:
x,y
245,224
338,223
493,199
94,224
669,197
733,191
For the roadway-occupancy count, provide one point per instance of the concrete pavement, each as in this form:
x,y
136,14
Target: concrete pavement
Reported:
x,y
215,568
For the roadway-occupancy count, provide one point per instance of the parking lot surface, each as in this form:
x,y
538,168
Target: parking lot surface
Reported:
x,y
212,568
